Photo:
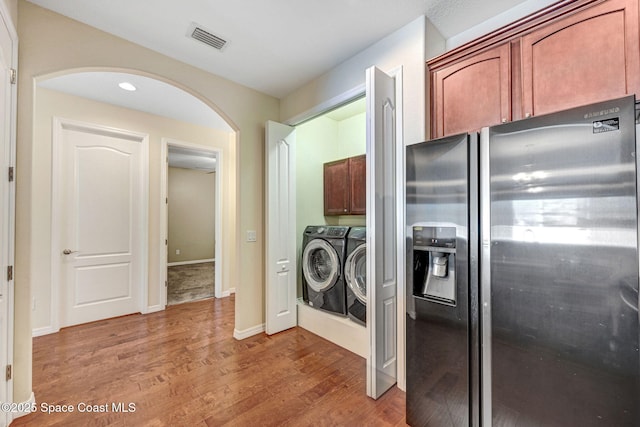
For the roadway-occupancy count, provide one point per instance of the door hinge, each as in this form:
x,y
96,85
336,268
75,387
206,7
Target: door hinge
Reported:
x,y
166,200
10,272
9,372
13,76
166,242
11,177
165,284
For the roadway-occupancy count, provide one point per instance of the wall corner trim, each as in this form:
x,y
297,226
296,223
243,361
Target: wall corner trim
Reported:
x,y
45,330
246,333
30,403
228,292
154,308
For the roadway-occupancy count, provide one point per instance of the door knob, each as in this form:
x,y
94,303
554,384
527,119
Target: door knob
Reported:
x,y
68,252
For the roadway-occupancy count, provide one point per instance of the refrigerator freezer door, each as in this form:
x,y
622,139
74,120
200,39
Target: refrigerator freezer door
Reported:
x,y
439,326
564,269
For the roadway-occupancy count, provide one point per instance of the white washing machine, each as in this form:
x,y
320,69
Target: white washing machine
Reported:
x,y
355,272
323,256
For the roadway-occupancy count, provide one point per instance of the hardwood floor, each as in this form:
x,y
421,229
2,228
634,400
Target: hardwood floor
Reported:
x,y
182,367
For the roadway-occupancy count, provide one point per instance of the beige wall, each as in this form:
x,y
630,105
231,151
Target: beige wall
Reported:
x,y
12,8
192,206
51,44
50,104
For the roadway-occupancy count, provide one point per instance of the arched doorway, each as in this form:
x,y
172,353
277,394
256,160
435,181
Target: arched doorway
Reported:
x,y
94,96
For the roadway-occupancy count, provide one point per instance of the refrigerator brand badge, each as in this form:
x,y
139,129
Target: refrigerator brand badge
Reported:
x,y
606,125
602,112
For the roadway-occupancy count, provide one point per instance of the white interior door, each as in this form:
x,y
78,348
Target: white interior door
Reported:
x,y
7,198
280,193
382,225
102,244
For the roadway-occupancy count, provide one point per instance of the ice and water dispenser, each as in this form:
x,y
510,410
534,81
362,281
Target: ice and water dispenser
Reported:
x,y
434,264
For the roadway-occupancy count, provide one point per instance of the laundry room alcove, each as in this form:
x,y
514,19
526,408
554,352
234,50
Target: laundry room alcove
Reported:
x,y
331,137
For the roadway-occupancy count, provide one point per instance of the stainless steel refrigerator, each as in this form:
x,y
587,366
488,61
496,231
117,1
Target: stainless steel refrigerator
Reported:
x,y
522,295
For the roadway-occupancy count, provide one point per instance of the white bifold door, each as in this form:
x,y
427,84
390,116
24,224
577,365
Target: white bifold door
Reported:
x,y
382,231
102,189
280,193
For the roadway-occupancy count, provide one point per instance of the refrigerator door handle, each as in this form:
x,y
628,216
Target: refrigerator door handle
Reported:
x,y
485,278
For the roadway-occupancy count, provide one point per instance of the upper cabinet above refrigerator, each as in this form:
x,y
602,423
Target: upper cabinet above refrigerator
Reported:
x,y
565,56
486,76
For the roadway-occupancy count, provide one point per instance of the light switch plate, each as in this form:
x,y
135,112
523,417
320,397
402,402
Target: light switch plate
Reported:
x,y
251,236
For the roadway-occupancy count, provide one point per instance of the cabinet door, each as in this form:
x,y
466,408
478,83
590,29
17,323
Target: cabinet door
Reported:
x,y
358,184
336,187
473,93
587,57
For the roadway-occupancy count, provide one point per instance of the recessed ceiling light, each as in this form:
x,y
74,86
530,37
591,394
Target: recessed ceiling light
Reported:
x,y
127,86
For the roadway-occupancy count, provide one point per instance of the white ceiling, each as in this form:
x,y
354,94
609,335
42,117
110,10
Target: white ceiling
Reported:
x,y
273,46
151,96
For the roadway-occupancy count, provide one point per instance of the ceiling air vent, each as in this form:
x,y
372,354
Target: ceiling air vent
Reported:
x,y
206,37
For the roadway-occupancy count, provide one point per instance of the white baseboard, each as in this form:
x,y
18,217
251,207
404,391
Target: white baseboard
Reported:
x,y
45,330
240,335
228,292
196,261
28,404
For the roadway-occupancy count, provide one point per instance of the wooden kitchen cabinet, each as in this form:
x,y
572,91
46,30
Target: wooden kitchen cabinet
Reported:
x,y
336,187
570,54
587,57
358,185
473,93
345,186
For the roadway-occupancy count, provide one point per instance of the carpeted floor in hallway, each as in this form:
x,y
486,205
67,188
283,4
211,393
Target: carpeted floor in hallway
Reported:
x,y
190,282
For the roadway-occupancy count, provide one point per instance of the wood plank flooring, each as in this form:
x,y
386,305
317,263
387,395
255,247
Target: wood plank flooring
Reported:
x,y
182,367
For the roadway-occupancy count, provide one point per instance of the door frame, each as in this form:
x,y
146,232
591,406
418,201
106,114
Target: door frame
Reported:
x,y
7,232
59,125
164,215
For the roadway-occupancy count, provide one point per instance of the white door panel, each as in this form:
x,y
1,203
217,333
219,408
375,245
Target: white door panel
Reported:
x,y
96,284
8,59
381,232
280,190
103,222
102,205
